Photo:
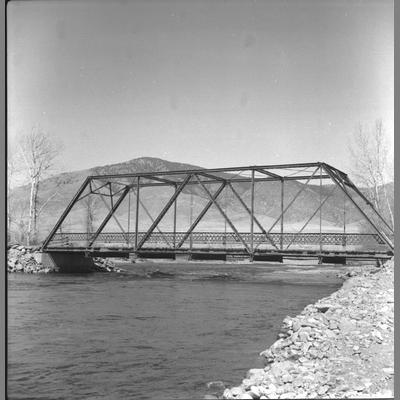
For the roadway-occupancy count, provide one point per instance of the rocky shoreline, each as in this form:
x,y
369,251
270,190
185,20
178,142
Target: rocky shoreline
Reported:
x,y
28,260
340,347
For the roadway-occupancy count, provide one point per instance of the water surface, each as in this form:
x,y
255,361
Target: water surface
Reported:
x,y
159,330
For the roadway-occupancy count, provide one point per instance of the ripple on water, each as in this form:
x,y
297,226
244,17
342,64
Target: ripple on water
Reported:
x,y
131,336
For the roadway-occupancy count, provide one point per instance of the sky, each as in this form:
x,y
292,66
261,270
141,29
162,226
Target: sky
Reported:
x,y
210,83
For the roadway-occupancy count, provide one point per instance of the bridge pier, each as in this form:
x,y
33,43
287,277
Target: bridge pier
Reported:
x,y
68,261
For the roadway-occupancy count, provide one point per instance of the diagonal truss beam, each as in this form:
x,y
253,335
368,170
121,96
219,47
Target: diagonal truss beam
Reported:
x,y
312,216
201,215
115,218
109,215
66,212
349,183
152,219
164,210
293,200
224,215
381,234
254,217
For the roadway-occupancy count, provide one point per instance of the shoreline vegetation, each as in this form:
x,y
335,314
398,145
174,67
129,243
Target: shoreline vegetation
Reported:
x,y
340,347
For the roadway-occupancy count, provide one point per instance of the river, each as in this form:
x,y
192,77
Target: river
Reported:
x,y
158,330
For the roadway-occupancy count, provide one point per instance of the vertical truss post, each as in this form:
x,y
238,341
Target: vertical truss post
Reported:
x,y
226,212
137,212
249,212
320,209
282,203
129,216
174,238
190,221
344,241
252,216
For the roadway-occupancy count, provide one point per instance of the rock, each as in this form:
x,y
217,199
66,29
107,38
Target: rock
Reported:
x,y
303,336
359,387
272,388
256,374
288,395
228,394
333,325
287,378
268,356
247,383
237,391
388,370
323,308
378,336
246,396
296,325
37,257
322,390
347,326
256,391
384,394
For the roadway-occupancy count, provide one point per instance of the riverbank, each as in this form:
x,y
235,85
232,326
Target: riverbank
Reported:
x,y
340,347
25,259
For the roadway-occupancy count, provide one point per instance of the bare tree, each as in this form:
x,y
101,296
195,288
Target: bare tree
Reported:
x,y
372,165
91,205
10,183
36,154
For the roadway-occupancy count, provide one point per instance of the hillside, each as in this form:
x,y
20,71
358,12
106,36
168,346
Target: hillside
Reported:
x,y
57,191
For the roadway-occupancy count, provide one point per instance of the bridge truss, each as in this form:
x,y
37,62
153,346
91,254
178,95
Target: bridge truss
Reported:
x,y
164,214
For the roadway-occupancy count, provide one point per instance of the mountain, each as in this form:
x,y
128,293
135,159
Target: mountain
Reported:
x,y
56,192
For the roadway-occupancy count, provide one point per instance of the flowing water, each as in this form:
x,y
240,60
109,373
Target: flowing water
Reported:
x,y
158,330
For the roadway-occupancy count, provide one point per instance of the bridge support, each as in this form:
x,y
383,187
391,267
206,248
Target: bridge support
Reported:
x,y
68,261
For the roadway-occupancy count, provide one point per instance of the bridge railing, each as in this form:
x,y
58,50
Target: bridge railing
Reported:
x,y
229,240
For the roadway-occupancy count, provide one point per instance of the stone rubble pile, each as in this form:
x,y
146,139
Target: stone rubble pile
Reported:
x,y
29,260
340,347
25,259
105,265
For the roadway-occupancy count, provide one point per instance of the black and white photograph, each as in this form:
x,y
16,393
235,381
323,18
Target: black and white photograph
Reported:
x,y
199,199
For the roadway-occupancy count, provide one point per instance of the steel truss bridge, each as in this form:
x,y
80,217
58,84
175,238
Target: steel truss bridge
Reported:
x,y
114,236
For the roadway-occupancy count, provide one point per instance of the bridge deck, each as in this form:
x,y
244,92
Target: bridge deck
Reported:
x,y
349,245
